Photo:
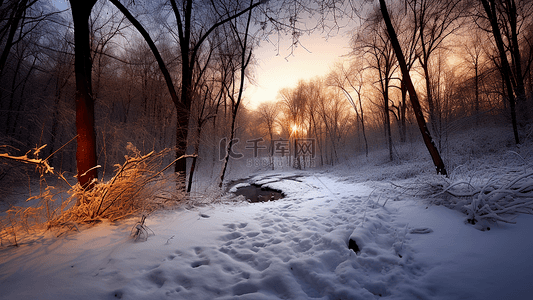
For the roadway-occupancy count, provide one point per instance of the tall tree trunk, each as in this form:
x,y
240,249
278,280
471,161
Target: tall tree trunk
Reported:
x,y
490,10
435,155
182,105
245,60
195,158
363,122
520,88
182,128
187,67
476,82
189,54
403,113
387,119
86,149
429,96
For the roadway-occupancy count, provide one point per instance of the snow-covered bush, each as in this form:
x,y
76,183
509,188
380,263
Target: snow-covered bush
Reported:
x,y
496,202
493,194
489,180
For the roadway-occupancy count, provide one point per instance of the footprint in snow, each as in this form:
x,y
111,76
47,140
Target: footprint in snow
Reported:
x,y
420,230
199,263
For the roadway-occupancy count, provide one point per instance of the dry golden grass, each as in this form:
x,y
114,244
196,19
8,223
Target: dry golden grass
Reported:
x,y
139,186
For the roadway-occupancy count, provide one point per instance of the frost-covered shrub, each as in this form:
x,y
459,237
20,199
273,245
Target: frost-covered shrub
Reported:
x,y
498,198
491,184
139,185
133,188
499,202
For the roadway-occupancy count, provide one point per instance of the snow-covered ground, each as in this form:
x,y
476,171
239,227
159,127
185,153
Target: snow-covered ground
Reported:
x,y
293,248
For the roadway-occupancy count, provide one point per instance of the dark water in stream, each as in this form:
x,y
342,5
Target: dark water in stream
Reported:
x,y
256,193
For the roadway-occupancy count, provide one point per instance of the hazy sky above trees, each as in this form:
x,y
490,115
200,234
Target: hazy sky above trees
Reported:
x,y
314,57
278,66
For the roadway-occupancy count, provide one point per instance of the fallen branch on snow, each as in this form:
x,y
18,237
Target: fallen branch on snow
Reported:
x,y
498,204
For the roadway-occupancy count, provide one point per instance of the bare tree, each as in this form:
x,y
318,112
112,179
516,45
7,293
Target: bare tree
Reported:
x,y
331,110
409,39
12,19
315,126
491,11
212,94
268,114
433,151
86,150
190,43
244,43
61,73
344,79
203,114
435,21
192,36
507,18
22,23
374,44
295,105
475,60
104,26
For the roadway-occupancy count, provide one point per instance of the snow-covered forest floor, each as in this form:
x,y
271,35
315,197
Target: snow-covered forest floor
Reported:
x,y
412,244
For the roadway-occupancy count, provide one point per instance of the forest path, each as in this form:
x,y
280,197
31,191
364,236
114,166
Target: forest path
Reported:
x,y
292,248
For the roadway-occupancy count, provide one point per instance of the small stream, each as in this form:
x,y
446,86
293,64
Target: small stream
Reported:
x,y
259,192
256,193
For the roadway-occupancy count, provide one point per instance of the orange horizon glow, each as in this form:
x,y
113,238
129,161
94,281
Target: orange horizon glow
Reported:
x,y
276,71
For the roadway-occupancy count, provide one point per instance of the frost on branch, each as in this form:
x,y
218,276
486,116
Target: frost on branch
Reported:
x,y
40,163
139,185
497,200
500,202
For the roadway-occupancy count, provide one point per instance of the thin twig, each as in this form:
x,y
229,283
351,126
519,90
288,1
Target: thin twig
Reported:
x,y
59,149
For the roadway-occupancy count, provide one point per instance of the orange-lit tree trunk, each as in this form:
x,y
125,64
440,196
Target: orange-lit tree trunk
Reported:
x,y
86,149
433,151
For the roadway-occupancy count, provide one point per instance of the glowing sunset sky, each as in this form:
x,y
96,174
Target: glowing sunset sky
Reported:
x,y
274,72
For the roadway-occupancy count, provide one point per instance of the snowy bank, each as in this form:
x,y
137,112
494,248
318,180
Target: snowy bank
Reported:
x,y
294,248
